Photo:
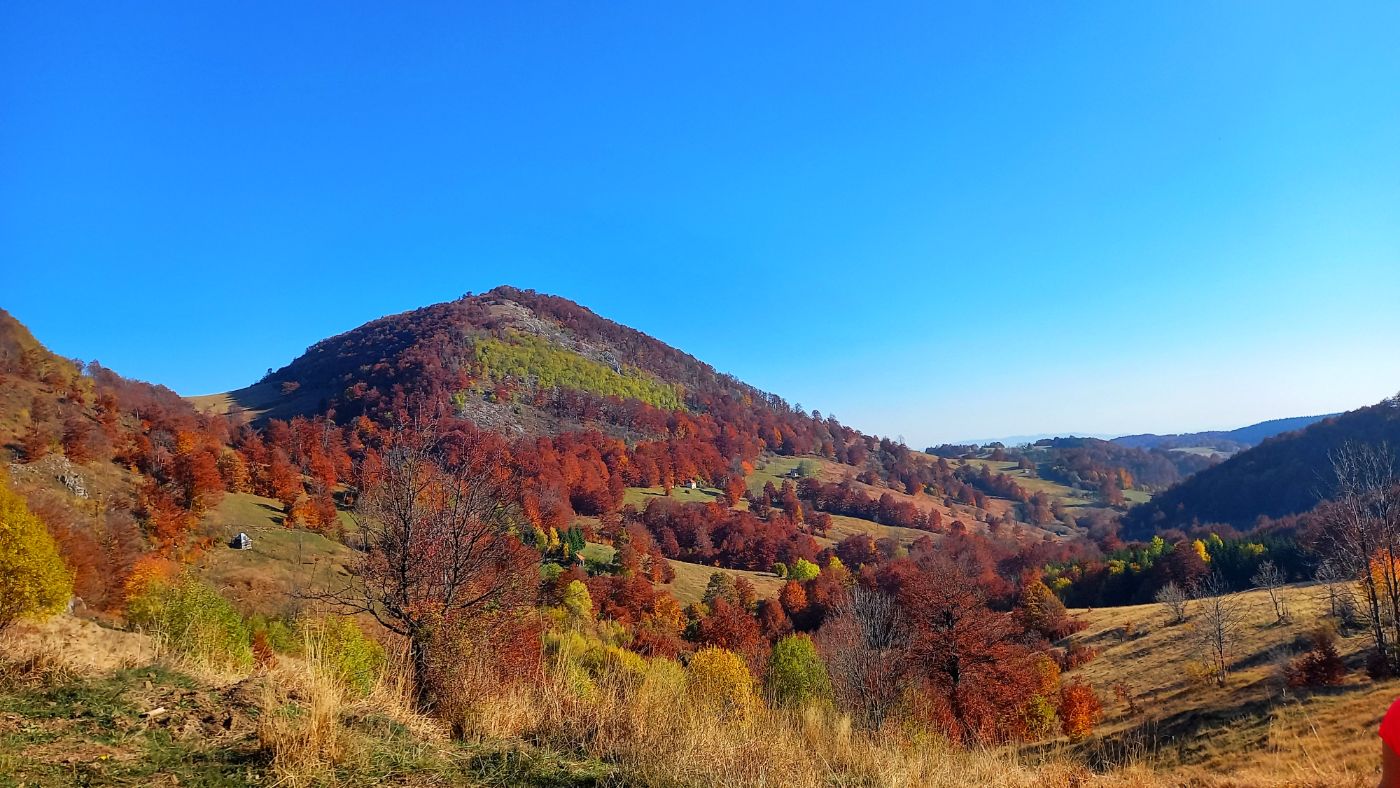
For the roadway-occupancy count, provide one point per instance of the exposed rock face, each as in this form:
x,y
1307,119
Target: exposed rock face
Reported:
x,y
55,467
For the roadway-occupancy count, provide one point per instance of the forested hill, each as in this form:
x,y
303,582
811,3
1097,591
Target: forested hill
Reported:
x,y
519,362
1285,475
1224,441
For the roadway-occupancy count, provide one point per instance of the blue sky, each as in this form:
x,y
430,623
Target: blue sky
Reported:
x,y
932,221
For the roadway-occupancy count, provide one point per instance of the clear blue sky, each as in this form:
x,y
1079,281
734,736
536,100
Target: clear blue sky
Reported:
x,y
941,223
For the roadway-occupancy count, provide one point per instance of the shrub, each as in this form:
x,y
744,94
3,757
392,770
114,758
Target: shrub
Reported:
x,y
578,602
34,582
718,681
279,634
796,674
1042,719
343,652
604,660
1320,666
1079,710
1077,654
189,617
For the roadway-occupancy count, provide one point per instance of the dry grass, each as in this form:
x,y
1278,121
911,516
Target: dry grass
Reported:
x,y
647,725
1252,731
639,725
303,721
692,579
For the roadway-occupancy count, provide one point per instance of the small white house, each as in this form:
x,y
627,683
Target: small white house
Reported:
x,y
241,542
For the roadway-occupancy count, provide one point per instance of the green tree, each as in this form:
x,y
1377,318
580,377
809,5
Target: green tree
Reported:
x,y
577,601
721,586
796,673
803,570
34,581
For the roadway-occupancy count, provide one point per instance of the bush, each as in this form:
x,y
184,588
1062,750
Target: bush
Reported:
x,y
189,617
344,652
796,674
1320,666
718,681
34,581
1077,654
1041,717
280,635
1080,710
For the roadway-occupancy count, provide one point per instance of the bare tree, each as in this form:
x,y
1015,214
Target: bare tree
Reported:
x,y
1362,529
864,640
436,545
1173,599
1332,580
1219,618
1271,579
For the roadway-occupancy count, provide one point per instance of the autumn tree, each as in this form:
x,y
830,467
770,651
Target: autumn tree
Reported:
x,y
731,627
719,681
865,641
33,578
1362,533
1080,709
972,660
438,551
1039,610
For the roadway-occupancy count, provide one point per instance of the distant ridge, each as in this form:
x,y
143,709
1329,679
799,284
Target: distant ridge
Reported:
x,y
1225,441
1284,475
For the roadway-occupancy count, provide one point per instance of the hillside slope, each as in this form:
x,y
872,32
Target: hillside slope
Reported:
x,y
1253,730
1285,475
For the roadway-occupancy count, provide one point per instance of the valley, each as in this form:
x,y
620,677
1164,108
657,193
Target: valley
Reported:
x,y
596,519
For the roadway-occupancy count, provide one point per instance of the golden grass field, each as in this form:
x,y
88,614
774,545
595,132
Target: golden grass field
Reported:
x,y
1254,729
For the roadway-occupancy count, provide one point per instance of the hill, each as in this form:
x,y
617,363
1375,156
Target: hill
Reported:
x,y
527,365
1222,441
1284,475
1254,729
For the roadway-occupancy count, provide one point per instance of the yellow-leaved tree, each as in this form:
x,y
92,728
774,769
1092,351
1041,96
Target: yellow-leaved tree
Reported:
x,y
34,581
719,682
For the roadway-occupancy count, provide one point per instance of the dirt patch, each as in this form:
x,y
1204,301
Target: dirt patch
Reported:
x,y
205,715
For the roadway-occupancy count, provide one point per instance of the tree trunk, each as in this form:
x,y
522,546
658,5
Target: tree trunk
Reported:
x,y
418,654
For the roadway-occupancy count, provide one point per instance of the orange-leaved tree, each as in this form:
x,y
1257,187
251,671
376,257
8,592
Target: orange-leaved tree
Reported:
x,y
1080,709
438,549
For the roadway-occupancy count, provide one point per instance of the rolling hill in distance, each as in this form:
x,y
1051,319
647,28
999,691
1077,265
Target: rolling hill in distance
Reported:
x,y
1224,441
